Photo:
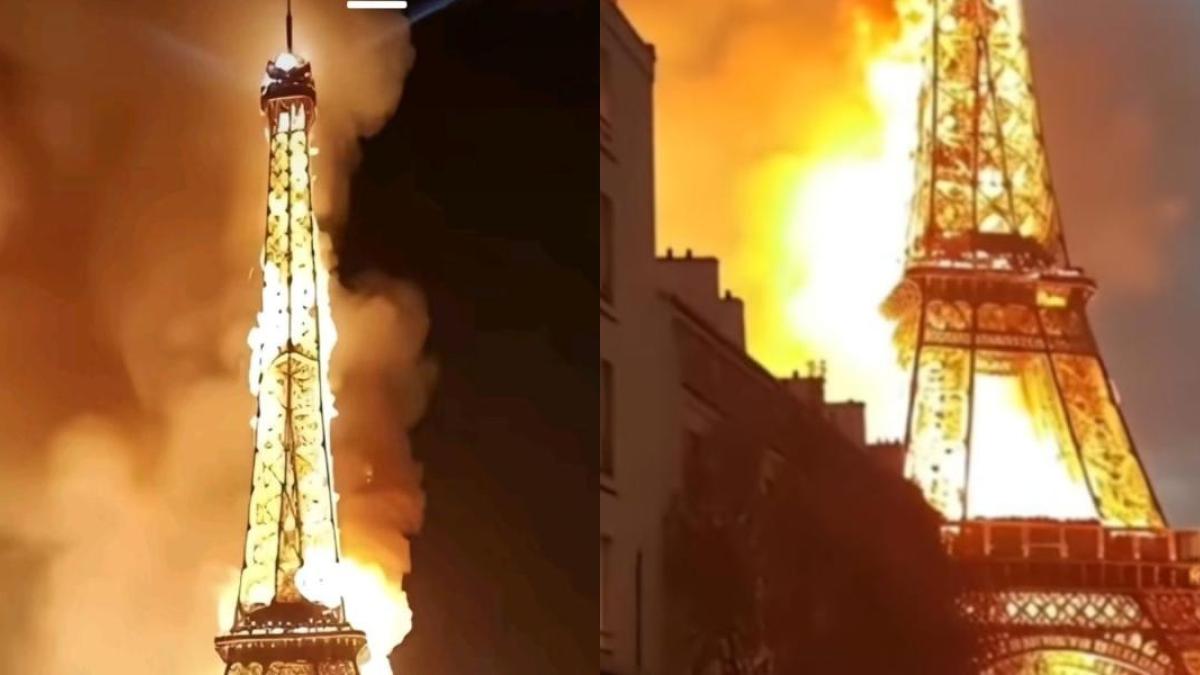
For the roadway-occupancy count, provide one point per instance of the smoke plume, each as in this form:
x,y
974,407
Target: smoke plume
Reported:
x,y
132,181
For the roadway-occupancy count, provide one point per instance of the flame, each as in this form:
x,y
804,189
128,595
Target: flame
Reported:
x,y
845,222
1020,438
379,608
374,604
810,111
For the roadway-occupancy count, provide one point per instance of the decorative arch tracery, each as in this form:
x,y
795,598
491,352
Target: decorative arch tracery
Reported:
x,y
1075,654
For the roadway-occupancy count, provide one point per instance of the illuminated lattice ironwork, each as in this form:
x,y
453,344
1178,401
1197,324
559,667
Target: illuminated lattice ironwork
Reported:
x,y
290,616
1078,655
983,183
1076,598
1037,608
1074,631
1014,432
1011,412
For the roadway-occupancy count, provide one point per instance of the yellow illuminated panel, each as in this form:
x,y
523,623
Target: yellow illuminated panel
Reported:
x,y
1052,297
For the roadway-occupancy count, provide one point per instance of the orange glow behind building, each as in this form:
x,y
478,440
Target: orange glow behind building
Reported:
x,y
815,115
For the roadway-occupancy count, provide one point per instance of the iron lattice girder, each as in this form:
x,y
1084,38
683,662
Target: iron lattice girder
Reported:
x,y
983,190
989,307
1129,597
1118,626
957,325
1107,653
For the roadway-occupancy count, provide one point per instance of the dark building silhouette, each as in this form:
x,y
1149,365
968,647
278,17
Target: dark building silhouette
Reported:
x,y
744,522
481,189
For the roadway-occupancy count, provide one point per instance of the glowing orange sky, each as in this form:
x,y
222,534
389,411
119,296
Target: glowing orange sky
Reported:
x,y
809,114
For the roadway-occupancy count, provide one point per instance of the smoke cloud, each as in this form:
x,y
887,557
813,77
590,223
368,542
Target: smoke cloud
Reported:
x,y
132,178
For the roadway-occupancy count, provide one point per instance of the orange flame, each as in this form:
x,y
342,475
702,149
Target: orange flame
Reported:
x,y
374,604
846,221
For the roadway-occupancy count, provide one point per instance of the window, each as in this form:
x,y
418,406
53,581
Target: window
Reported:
x,y
606,248
606,418
768,470
605,592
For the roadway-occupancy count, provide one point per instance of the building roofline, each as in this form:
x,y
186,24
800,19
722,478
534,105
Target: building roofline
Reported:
x,y
708,331
750,364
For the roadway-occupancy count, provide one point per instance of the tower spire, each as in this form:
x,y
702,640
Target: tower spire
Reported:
x,y
289,25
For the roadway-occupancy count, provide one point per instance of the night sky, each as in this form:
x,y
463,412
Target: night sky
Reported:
x,y
482,189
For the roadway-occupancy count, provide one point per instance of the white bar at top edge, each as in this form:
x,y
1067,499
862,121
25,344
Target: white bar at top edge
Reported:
x,y
376,4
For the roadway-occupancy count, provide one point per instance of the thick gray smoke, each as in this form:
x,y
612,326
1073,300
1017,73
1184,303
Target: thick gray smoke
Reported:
x,y
132,194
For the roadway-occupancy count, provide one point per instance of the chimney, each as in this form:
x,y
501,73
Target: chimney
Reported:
x,y
695,282
850,418
808,389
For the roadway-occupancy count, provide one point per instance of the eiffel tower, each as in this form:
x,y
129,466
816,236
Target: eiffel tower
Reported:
x,y
1014,431
290,618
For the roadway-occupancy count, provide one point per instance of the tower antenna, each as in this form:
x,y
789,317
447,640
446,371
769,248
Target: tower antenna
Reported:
x,y
289,26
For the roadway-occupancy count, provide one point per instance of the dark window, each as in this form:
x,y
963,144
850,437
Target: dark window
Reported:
x,y
606,418
606,248
772,463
